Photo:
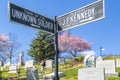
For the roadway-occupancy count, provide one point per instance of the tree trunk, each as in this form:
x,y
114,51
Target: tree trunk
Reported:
x,y
73,54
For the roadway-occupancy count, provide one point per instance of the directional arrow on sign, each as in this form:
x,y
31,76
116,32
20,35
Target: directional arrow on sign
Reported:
x,y
81,16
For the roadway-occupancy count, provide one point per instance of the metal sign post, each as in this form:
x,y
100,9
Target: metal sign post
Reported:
x,y
56,49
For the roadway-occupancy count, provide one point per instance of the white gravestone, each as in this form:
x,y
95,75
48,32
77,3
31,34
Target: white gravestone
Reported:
x,y
109,65
29,64
117,62
89,60
91,74
99,59
62,60
13,69
49,63
32,74
7,64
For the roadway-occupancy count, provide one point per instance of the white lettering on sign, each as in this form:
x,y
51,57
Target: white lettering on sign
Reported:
x,y
34,20
46,24
23,16
79,16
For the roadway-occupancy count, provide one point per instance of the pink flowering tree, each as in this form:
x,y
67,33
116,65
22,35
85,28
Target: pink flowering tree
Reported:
x,y
8,46
72,44
3,41
3,44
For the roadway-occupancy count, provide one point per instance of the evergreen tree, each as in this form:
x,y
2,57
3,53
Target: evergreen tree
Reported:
x,y
42,47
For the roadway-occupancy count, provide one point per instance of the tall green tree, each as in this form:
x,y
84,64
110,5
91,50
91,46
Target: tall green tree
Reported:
x,y
42,46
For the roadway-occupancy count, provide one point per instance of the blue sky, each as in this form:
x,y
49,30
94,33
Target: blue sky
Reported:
x,y
103,33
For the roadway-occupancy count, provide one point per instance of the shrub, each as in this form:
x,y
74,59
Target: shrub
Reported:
x,y
80,59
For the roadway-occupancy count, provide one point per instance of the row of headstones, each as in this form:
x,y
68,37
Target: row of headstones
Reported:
x,y
20,62
31,70
98,69
30,64
49,63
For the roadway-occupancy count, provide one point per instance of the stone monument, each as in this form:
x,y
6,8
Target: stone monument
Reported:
x,y
32,74
30,64
91,74
13,69
117,62
21,62
89,60
109,66
99,59
62,60
49,63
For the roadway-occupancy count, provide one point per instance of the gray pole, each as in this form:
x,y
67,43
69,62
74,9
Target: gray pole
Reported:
x,y
56,49
101,51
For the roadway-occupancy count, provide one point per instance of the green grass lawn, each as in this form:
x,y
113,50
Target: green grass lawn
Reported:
x,y
113,78
112,58
5,73
70,72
